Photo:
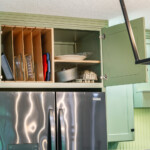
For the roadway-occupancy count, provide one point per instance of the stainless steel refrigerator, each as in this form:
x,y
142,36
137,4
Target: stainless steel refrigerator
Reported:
x,y
52,121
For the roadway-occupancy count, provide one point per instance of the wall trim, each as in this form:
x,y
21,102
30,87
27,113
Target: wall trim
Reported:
x,y
39,20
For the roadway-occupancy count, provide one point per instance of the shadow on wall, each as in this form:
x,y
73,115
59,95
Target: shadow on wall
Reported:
x,y
142,133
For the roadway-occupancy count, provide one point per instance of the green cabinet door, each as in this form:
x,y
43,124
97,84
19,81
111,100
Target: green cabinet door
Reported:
x,y
148,51
120,113
118,59
142,95
142,90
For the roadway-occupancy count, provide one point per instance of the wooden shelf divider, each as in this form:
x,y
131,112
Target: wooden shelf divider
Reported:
x,y
37,50
28,52
18,54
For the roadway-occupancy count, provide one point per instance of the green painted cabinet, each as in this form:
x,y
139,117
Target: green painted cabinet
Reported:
x,y
142,90
142,95
120,115
118,60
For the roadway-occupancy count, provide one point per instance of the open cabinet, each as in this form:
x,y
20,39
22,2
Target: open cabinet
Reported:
x,y
74,43
108,55
25,47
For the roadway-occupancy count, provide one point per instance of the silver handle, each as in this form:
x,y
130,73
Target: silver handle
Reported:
x,y
62,130
52,130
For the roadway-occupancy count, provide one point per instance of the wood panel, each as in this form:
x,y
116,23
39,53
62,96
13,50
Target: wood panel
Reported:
x,y
28,51
19,53
37,50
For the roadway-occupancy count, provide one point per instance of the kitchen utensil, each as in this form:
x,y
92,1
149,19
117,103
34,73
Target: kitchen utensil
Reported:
x,y
67,75
19,71
46,66
29,68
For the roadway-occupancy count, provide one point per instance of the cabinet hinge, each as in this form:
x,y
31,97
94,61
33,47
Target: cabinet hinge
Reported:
x,y
1,77
102,36
104,77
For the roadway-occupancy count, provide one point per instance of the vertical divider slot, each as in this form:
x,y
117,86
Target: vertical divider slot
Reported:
x,y
37,50
19,54
48,47
8,47
28,53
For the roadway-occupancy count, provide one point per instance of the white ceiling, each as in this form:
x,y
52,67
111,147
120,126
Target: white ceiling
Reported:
x,y
97,9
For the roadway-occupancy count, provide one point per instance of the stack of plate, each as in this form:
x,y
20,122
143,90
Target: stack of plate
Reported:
x,y
70,57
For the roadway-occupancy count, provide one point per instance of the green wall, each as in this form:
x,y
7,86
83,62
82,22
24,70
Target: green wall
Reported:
x,y
142,133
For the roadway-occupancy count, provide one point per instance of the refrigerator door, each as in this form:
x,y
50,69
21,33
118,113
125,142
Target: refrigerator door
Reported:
x,y
81,121
27,120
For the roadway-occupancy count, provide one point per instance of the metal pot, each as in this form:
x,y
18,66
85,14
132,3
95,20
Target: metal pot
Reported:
x,y
67,75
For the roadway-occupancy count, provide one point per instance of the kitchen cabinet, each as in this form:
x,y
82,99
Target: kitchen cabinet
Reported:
x,y
141,95
142,90
111,59
120,113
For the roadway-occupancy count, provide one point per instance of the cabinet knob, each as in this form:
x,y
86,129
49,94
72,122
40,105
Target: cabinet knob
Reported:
x,y
132,130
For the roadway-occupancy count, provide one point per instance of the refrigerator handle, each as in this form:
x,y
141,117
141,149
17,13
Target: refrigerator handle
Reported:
x,y
62,129
51,133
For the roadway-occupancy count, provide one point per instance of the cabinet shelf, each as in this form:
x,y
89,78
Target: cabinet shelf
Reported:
x,y
49,84
78,61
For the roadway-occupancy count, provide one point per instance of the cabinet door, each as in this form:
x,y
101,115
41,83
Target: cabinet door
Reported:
x,y
0,48
142,90
118,58
120,116
148,50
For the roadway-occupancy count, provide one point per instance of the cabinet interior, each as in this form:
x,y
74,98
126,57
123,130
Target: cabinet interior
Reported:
x,y
78,42
24,48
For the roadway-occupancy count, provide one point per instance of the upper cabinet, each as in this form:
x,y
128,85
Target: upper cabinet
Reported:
x,y
118,59
61,52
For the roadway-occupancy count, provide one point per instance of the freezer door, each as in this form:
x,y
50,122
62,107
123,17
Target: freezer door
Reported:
x,y
81,121
27,120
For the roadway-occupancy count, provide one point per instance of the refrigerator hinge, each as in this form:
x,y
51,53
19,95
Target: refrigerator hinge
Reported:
x,y
105,77
103,36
